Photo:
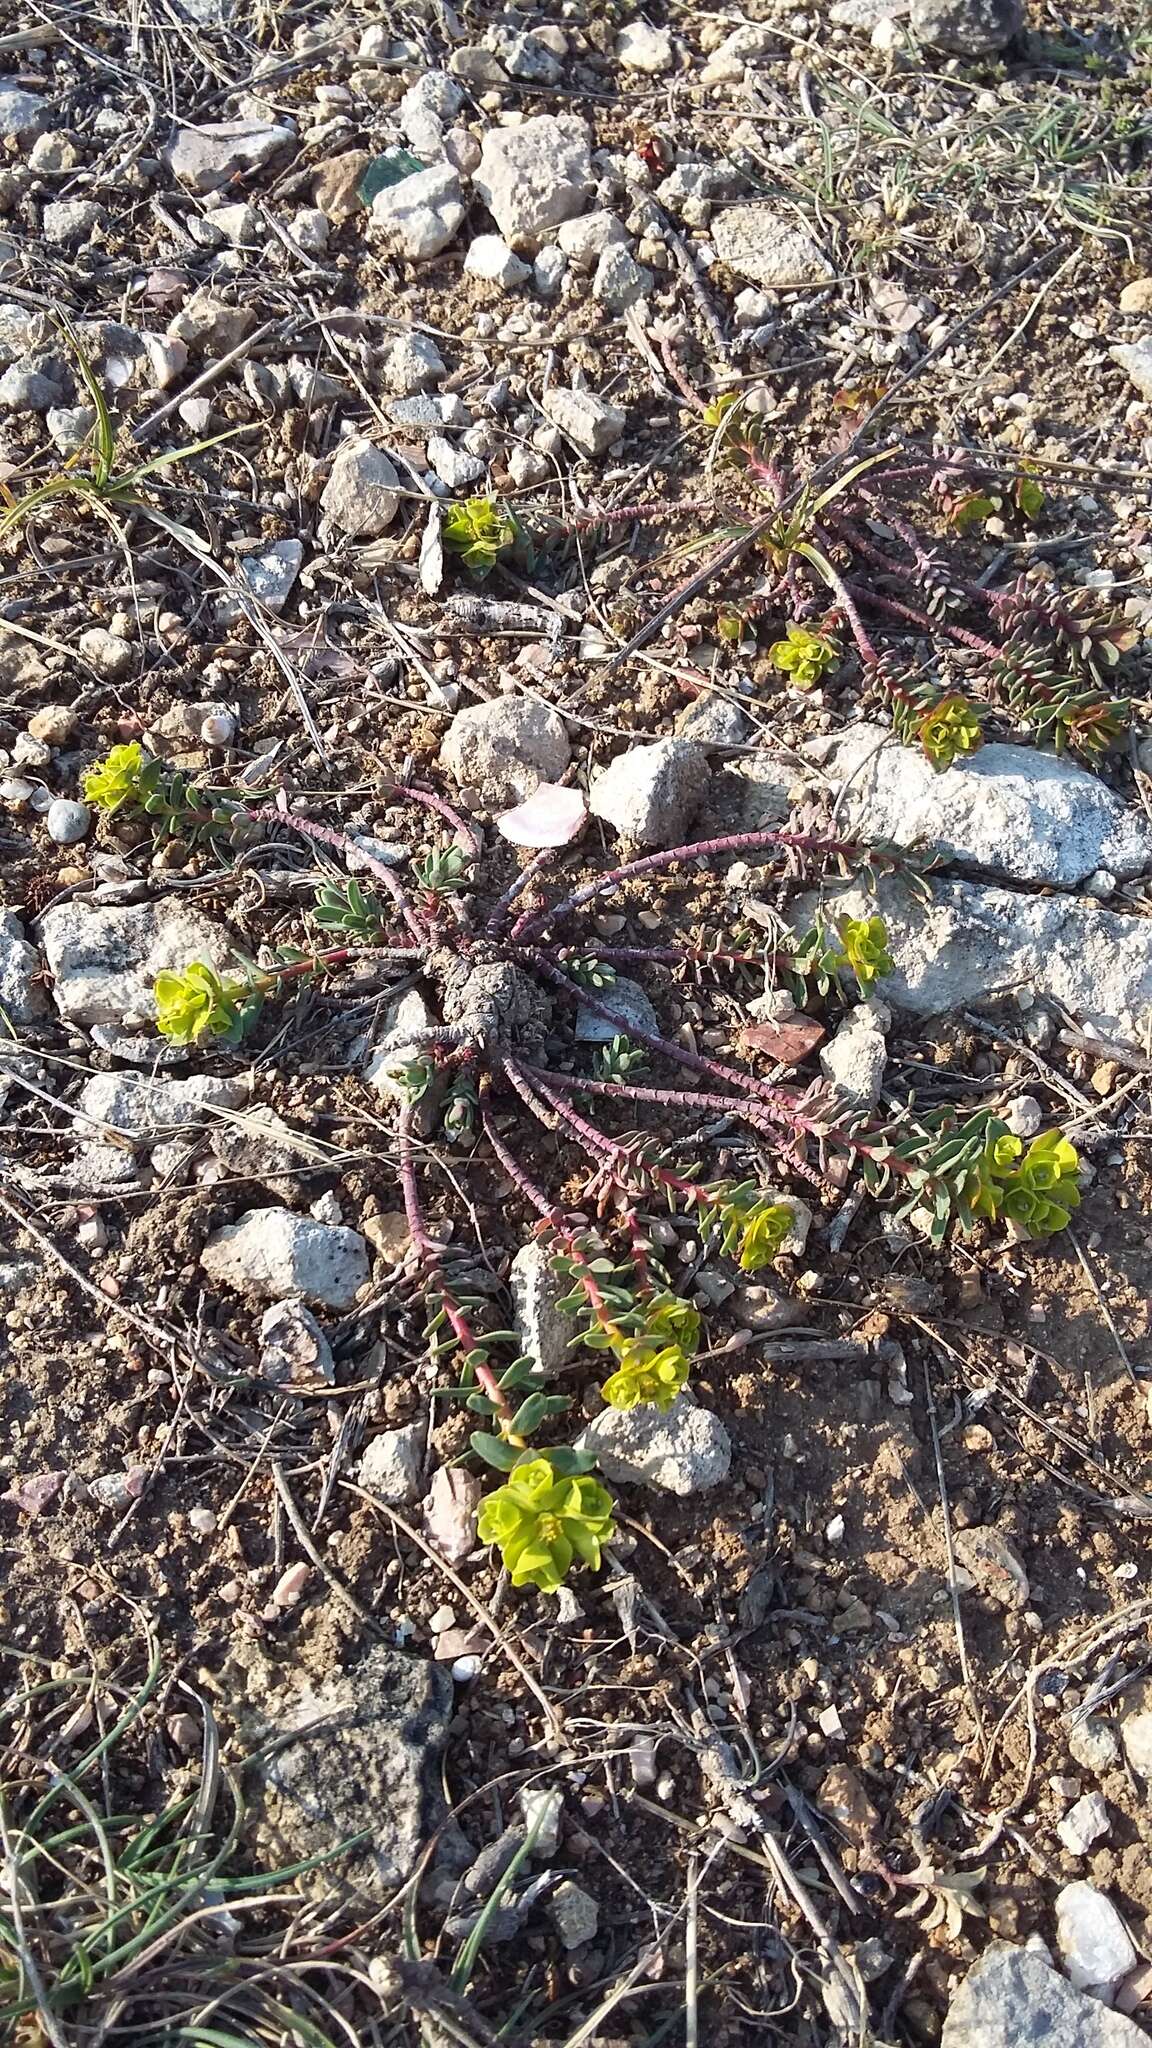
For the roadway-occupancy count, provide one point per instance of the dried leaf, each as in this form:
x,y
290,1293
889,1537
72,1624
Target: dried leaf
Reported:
x,y
551,816
789,1041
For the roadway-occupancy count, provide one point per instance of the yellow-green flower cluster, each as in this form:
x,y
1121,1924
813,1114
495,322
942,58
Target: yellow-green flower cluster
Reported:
x,y
951,727
540,1523
1037,1189
864,948
194,1003
115,781
804,656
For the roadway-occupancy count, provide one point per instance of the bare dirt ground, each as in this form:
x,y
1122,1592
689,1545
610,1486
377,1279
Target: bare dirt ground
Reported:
x,y
896,1717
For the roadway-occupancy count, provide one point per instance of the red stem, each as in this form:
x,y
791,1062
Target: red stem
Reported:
x,y
732,842
431,1259
516,889
344,843
416,793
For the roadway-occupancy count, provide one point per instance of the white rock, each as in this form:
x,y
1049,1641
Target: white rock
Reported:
x,y
418,217
413,363
1014,811
454,466
1136,1729
575,1914
1135,358
548,270
1024,1116
590,423
361,496
69,426
22,998
205,159
435,93
526,468
993,1565
167,358
535,176
104,958
107,653
727,63
752,308
135,1107
685,1451
430,409
26,390
527,57
273,1252
239,224
620,281
392,1466
767,249
585,239
208,323
22,114
545,1332
1093,1744
479,67
1083,1824
969,28
71,220
505,747
642,48
310,229
490,258
650,793
67,822
631,1010
271,574
965,940
1013,1998
692,188
1093,1941
855,1058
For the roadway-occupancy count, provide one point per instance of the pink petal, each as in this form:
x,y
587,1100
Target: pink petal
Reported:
x,y
551,816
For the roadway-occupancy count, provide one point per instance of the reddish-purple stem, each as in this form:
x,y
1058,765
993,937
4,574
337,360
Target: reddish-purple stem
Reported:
x,y
430,1258
777,1105
415,793
516,889
344,843
732,842
896,610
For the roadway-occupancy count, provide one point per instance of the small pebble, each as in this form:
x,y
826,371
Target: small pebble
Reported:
x,y
67,822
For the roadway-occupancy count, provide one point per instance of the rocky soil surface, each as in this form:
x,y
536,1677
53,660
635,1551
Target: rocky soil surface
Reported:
x,y
850,1739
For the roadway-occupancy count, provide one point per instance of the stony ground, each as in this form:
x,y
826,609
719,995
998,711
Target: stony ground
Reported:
x,y
862,1692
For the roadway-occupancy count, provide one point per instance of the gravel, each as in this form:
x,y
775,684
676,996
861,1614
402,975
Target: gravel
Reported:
x,y
148,1109
294,1352
205,159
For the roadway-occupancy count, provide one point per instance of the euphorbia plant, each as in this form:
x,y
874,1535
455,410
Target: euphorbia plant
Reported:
x,y
498,984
